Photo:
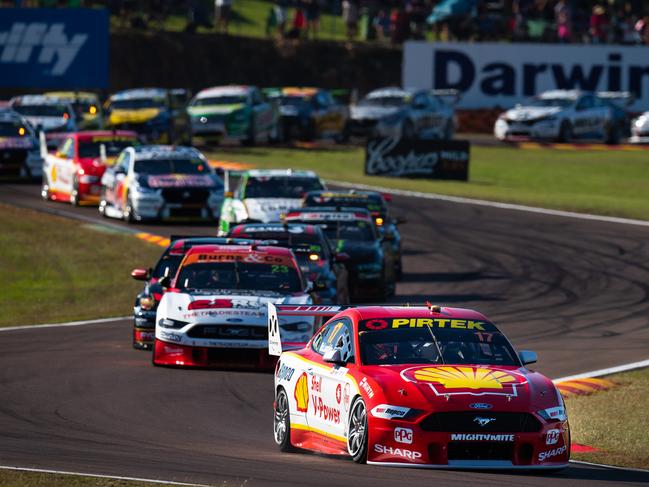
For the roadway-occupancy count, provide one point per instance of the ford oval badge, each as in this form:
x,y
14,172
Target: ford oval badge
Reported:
x,y
480,405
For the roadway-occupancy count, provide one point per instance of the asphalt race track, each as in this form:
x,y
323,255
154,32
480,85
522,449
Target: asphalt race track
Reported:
x,y
80,399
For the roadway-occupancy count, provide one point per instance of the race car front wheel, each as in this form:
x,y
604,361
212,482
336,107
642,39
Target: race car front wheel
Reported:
x,y
282,422
357,437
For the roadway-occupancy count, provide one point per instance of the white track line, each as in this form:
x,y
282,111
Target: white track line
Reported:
x,y
611,370
612,467
493,204
62,325
81,474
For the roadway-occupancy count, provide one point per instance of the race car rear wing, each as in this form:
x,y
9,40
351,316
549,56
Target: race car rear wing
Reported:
x,y
274,311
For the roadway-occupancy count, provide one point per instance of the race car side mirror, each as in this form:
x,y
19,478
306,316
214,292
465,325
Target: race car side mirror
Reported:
x,y
342,257
527,357
333,356
140,274
165,281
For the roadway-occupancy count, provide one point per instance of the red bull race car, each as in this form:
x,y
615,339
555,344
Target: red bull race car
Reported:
x,y
420,386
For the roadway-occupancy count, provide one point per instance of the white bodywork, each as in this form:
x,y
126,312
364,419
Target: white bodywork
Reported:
x,y
640,129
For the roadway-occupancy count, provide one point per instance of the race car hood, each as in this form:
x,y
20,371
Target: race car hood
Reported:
x,y
16,143
177,181
359,252
236,307
47,124
142,115
371,112
521,114
466,387
268,210
214,109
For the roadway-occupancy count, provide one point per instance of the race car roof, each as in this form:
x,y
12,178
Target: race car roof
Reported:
x,y
391,91
146,152
38,100
280,229
138,93
253,254
443,316
230,90
266,173
560,94
73,95
107,134
325,196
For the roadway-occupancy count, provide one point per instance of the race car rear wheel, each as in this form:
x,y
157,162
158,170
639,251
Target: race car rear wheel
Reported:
x,y
357,437
74,195
128,212
282,421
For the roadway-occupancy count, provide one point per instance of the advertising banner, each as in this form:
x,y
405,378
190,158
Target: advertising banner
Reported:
x,y
53,48
498,74
435,159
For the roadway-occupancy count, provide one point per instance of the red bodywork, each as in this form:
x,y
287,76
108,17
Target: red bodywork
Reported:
x,y
88,170
435,431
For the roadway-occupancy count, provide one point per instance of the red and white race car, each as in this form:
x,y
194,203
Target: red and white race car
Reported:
x,y
422,386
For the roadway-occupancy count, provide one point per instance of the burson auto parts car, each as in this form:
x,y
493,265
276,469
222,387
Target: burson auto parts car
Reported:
x,y
420,386
214,310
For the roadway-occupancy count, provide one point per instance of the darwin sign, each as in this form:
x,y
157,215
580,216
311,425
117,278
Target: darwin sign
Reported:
x,y
437,159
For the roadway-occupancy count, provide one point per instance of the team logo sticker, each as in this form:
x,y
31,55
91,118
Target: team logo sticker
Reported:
x,y
457,380
302,393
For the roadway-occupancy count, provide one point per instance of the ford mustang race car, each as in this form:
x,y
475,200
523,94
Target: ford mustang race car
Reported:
x,y
161,182
375,203
237,113
262,196
640,129
318,262
86,106
73,173
420,386
564,116
20,154
214,313
158,115
394,112
371,264
310,113
45,113
146,302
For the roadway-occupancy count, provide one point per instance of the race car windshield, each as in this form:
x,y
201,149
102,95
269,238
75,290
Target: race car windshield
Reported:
x,y
433,345
137,103
220,100
167,266
383,101
239,275
89,148
42,110
12,129
355,231
171,166
281,187
549,102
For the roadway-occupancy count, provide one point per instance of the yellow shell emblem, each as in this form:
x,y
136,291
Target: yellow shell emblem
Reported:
x,y
465,377
302,393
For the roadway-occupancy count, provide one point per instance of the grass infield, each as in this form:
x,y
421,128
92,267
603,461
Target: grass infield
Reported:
x,y
613,183
56,270
614,421
19,478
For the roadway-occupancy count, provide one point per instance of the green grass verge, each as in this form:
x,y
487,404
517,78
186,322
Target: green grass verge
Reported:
x,y
615,422
603,182
57,270
18,478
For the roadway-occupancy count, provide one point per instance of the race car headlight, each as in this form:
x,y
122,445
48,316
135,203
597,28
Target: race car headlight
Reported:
x,y
171,323
557,413
147,303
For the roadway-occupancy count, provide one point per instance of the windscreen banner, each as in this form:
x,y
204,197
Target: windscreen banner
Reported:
x,y
63,48
500,75
414,158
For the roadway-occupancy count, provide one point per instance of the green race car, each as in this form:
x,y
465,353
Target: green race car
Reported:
x,y
238,113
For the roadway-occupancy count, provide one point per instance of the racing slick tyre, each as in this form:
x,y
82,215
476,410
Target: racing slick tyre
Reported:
x,y
129,212
357,437
565,132
408,130
74,195
282,422
45,190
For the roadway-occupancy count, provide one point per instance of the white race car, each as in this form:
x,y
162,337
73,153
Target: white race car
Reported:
x,y
217,312
262,196
46,113
640,129
564,116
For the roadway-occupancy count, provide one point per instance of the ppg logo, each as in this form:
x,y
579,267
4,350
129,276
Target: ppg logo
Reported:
x,y
403,435
48,41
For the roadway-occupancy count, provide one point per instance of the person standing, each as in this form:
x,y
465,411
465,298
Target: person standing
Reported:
x,y
222,12
312,11
350,18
